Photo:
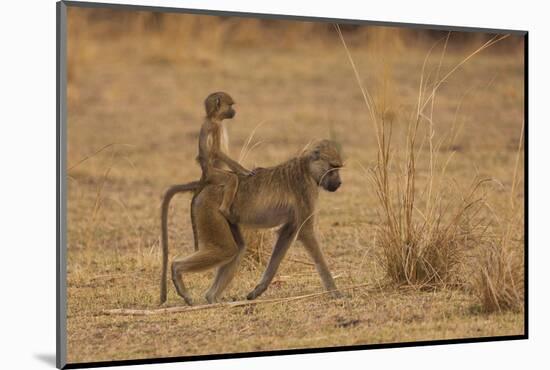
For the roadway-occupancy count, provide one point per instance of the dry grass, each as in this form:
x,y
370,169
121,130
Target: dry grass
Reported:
x,y
499,283
421,247
126,92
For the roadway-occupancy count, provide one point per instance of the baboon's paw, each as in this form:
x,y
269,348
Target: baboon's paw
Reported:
x,y
211,299
336,294
188,300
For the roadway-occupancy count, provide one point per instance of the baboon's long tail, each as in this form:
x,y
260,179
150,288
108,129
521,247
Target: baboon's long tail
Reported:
x,y
173,190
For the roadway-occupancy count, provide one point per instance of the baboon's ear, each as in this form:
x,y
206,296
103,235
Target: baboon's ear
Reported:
x,y
316,154
212,104
338,146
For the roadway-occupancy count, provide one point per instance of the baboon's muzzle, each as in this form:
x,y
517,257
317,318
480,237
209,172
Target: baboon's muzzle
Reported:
x,y
230,113
333,185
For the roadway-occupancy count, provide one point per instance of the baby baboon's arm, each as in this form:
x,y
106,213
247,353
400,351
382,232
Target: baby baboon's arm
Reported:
x,y
204,150
209,149
233,165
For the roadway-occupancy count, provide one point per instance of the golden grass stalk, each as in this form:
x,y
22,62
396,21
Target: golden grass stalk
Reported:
x,y
98,201
247,147
176,309
94,154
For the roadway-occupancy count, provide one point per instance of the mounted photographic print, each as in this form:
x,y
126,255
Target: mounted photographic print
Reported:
x,y
235,185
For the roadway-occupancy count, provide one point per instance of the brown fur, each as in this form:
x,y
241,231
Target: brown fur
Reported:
x,y
286,196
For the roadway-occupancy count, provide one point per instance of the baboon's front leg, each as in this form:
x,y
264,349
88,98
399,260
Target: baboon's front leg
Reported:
x,y
309,240
286,236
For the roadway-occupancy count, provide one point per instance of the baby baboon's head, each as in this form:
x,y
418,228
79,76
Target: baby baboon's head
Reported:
x,y
325,163
219,106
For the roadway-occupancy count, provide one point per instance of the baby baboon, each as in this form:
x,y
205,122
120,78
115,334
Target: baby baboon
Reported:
x,y
219,106
284,195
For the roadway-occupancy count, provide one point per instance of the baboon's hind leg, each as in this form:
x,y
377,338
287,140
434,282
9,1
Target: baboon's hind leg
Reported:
x,y
180,286
225,273
198,261
194,222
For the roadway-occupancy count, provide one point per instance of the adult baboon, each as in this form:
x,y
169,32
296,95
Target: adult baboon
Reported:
x,y
285,195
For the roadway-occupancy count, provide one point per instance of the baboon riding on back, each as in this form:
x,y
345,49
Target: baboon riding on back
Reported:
x,y
283,196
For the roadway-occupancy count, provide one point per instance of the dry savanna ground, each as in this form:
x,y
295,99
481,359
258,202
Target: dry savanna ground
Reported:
x,y
134,111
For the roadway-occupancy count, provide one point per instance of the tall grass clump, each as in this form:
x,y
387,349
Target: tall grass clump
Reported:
x,y
426,228
499,281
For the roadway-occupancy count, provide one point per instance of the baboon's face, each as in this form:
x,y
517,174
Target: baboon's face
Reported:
x,y
219,106
325,165
226,111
